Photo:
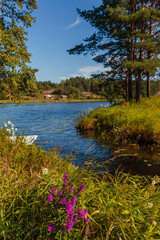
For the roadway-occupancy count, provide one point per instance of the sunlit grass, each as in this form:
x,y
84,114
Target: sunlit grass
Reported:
x,y
39,100
127,123
120,206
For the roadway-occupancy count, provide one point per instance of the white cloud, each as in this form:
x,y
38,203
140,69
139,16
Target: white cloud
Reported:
x,y
78,21
85,72
63,78
89,70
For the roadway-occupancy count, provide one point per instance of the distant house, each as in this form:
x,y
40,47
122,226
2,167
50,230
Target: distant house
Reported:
x,y
48,96
63,96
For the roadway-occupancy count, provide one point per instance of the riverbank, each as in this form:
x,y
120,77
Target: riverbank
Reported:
x,y
119,207
21,101
126,123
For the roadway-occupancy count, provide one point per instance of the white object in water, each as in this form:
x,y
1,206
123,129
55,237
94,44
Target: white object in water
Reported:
x,y
27,139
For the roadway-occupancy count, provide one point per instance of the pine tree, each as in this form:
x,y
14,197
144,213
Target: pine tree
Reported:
x,y
127,31
108,42
146,44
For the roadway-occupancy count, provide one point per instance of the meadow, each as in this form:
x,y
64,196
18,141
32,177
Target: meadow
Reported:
x,y
126,123
43,196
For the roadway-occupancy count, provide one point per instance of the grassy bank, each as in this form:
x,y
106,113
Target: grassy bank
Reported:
x,y
49,100
119,207
126,123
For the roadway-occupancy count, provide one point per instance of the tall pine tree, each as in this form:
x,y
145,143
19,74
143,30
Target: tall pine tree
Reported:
x,y
127,32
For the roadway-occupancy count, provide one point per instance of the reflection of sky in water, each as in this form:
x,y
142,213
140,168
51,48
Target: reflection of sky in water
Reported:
x,y
54,123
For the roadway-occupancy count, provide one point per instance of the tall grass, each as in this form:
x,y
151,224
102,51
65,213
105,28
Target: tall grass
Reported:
x,y
120,207
126,123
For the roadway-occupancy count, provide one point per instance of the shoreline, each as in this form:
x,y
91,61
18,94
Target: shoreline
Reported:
x,y
53,101
126,123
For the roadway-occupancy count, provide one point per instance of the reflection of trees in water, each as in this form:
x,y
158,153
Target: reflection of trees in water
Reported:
x,y
128,162
133,165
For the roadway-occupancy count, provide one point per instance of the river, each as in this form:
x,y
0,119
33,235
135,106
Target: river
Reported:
x,y
54,123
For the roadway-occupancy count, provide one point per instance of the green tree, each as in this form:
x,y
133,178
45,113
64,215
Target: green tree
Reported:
x,y
125,40
15,18
109,40
144,23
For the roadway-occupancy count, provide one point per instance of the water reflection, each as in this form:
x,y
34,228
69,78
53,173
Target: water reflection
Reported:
x,y
54,123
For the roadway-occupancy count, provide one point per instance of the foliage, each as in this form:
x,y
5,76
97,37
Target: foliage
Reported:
x,y
126,41
126,123
76,86
16,74
45,85
108,88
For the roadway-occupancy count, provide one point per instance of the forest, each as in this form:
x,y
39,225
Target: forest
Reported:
x,y
105,88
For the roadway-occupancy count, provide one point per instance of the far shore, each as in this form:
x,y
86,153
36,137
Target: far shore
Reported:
x,y
20,101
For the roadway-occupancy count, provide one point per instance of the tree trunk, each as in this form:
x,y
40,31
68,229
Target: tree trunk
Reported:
x,y
130,84
148,84
127,85
138,86
140,71
149,56
9,95
129,75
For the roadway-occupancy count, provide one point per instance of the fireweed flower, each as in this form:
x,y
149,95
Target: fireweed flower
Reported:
x,y
75,219
66,204
51,227
86,220
50,198
74,199
59,192
65,177
53,190
81,213
63,200
80,189
69,225
72,188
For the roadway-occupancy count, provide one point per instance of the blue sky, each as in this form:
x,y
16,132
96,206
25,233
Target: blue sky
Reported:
x,y
57,29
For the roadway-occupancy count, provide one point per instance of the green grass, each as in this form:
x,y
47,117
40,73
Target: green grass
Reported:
x,y
29,100
126,123
120,207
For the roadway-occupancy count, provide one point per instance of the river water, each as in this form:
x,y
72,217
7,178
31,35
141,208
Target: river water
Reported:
x,y
54,123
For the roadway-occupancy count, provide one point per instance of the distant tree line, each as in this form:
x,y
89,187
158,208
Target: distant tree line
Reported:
x,y
45,85
107,88
75,87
